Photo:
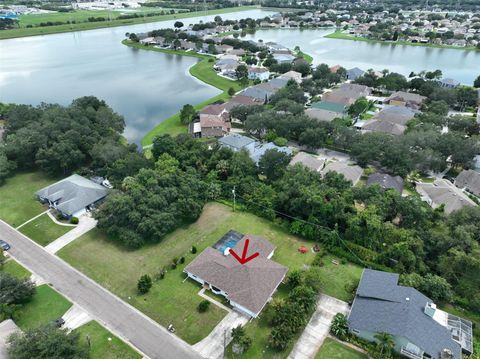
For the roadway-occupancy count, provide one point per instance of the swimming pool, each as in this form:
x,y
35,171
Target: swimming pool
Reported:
x,y
229,240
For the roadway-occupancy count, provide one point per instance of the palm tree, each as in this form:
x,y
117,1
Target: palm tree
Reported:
x,y
385,343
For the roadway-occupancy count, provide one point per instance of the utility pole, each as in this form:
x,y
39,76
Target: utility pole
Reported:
x,y
234,197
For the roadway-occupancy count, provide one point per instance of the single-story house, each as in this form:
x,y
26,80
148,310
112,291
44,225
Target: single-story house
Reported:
x,y
7,328
312,162
449,83
352,173
322,115
283,58
470,181
244,101
395,114
72,196
214,121
387,127
237,142
258,73
292,75
418,328
386,181
248,287
402,98
355,73
347,94
442,192
260,149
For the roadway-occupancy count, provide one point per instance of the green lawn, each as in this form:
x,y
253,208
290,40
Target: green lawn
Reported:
x,y
202,70
43,230
171,300
101,347
344,36
17,197
34,31
332,349
11,266
46,305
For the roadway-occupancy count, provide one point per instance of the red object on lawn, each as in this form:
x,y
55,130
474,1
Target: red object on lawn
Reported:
x,y
303,249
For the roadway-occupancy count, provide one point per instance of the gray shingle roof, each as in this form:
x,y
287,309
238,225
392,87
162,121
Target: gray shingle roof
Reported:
x,y
261,148
381,305
250,285
236,141
351,173
382,126
470,180
308,160
396,114
73,193
386,181
443,192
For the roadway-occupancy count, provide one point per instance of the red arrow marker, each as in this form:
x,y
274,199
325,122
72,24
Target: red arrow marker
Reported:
x,y
244,259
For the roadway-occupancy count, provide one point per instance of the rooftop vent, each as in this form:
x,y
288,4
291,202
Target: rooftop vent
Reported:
x,y
446,354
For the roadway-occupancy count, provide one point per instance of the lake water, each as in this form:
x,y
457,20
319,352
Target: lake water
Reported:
x,y
147,87
144,86
461,65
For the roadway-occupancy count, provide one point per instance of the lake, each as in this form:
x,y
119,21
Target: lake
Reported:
x,y
144,86
147,87
461,65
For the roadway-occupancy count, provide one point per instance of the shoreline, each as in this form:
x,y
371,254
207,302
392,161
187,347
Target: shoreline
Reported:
x,y
202,71
85,26
337,35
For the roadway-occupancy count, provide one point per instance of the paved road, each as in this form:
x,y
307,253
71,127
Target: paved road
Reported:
x,y
122,319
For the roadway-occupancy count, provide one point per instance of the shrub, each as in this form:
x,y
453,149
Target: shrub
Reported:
x,y
203,306
211,60
280,141
182,260
173,265
231,91
193,250
74,220
144,284
339,327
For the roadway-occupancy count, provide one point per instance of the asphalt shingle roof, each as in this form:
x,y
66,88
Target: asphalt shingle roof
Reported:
x,y
250,285
386,181
73,193
381,305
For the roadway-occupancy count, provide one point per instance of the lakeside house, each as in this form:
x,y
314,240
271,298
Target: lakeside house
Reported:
x,y
214,121
248,287
419,329
408,99
72,196
443,193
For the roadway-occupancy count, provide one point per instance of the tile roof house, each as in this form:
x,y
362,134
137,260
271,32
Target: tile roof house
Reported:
x,y
470,181
72,196
386,181
352,173
310,161
248,287
442,192
419,329
401,98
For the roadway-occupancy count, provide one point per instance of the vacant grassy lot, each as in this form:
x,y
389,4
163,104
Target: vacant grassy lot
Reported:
x,y
17,197
171,300
101,347
332,349
11,266
46,305
43,230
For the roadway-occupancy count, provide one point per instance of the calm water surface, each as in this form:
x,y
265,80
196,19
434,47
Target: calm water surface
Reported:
x,y
461,65
147,87
144,86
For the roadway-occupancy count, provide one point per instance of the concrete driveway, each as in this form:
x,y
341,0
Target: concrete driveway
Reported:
x,y
85,224
212,346
119,317
318,327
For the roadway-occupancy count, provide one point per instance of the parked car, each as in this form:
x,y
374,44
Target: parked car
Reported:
x,y
5,246
449,178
